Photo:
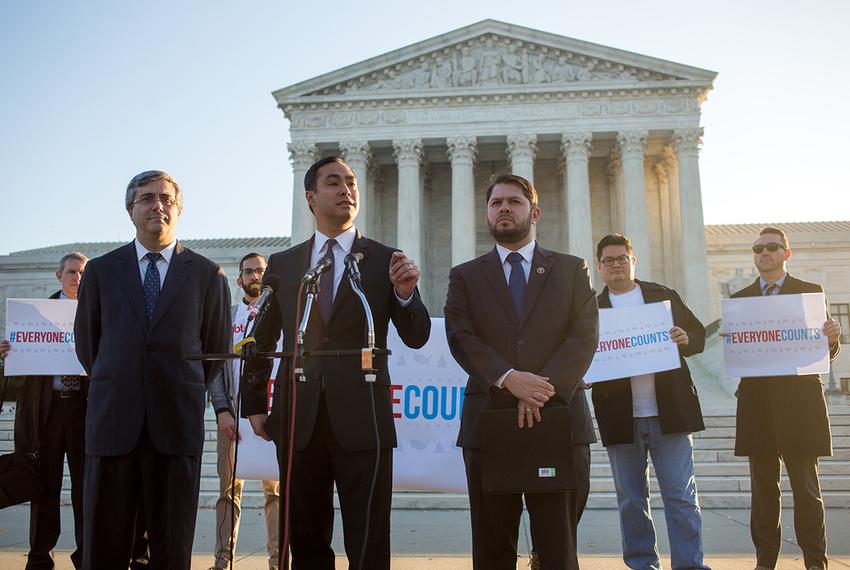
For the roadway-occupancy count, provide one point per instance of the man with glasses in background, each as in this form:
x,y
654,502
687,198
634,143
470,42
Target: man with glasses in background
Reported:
x,y
142,309
50,421
651,415
224,393
784,417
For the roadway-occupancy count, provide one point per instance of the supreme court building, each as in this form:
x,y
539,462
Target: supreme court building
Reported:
x,y
610,138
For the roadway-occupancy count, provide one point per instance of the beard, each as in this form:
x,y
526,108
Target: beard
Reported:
x,y
253,289
515,234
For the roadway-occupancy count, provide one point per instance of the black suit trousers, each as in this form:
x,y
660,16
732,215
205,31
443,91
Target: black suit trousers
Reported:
x,y
809,521
315,469
496,517
63,434
115,486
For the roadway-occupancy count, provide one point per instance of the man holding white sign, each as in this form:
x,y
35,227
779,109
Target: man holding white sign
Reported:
x,y
650,414
765,432
50,421
224,394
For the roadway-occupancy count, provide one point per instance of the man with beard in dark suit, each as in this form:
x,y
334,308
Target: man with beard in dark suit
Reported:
x,y
765,431
335,439
50,421
522,321
142,308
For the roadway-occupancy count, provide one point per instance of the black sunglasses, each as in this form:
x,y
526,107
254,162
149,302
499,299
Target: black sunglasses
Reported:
x,y
771,247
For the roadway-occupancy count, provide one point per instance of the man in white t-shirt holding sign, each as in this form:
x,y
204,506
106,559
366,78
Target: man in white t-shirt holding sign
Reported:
x,y
224,391
651,415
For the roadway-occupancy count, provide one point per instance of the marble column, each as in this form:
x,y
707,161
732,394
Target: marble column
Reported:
x,y
408,155
695,258
614,173
521,151
461,153
677,280
662,181
302,155
576,195
631,145
357,155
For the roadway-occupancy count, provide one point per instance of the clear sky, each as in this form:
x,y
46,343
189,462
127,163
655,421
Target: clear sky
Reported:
x,y
93,92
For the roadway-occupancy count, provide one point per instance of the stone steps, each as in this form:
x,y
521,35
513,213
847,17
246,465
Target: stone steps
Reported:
x,y
722,478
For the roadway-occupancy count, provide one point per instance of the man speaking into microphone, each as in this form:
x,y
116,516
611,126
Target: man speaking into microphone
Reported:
x,y
335,439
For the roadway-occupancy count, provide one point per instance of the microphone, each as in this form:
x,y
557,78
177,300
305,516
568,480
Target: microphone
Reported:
x,y
313,274
271,283
353,267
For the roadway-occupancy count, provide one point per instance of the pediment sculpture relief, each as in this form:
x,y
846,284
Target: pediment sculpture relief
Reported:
x,y
492,61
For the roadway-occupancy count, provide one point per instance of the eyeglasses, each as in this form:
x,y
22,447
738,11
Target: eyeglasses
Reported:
x,y
611,261
166,200
258,271
771,247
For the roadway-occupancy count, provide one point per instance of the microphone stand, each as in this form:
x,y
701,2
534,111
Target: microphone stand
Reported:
x,y
312,291
370,375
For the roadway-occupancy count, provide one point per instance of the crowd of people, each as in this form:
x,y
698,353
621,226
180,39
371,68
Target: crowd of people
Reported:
x,y
521,320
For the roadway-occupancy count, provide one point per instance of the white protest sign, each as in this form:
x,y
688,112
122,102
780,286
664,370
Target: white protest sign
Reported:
x,y
427,397
41,332
634,341
775,335
257,457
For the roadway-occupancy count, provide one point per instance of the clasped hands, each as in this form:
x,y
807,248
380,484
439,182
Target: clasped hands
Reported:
x,y
532,391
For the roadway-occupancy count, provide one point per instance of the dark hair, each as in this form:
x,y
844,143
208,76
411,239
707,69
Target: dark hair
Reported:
x,y
527,187
248,256
776,231
312,176
613,239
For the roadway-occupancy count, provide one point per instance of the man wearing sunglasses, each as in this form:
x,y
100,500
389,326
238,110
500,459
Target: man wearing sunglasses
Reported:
x,y
784,417
224,392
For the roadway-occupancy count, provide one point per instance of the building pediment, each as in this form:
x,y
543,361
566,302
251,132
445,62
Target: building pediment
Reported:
x,y
493,57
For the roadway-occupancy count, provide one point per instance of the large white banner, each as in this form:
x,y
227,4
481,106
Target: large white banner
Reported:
x,y
427,394
634,341
776,335
41,332
427,390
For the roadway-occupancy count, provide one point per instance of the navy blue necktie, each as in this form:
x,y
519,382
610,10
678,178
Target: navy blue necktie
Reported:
x,y
326,284
516,282
151,284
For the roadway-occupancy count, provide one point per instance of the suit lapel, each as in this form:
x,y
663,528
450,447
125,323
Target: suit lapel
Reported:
x,y
131,281
541,265
789,286
178,270
492,267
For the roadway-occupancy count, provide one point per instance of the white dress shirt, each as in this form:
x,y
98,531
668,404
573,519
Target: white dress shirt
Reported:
x,y
779,283
162,264
344,243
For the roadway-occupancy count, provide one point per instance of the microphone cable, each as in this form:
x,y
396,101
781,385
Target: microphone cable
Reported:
x,y
283,518
374,474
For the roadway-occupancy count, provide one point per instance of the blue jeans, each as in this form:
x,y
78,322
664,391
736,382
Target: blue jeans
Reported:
x,y
673,459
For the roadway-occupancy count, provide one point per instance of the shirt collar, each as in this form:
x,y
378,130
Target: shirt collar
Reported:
x,y
345,240
526,251
779,282
166,253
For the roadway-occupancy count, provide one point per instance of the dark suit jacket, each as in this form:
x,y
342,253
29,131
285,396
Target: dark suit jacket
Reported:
x,y
675,393
780,415
345,390
556,336
138,372
33,408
